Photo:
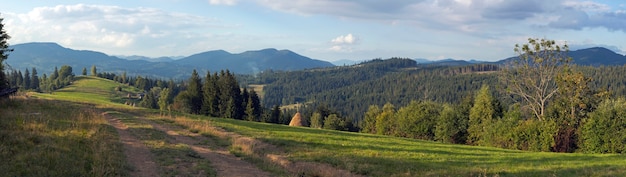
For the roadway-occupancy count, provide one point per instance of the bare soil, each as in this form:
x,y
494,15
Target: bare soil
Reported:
x,y
225,163
137,154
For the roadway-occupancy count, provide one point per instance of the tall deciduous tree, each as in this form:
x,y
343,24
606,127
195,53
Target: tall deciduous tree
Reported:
x,y
574,101
94,70
384,121
531,77
369,122
164,100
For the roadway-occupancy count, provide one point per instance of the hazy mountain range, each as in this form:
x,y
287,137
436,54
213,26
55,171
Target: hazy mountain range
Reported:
x,y
45,56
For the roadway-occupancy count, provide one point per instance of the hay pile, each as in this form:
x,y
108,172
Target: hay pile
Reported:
x,y
296,120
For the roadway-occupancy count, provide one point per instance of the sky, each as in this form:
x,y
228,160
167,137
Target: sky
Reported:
x,y
321,29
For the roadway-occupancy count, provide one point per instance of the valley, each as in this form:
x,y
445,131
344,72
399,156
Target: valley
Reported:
x,y
175,143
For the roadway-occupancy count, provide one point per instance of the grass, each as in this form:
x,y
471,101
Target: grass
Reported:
x,y
374,155
365,154
43,138
93,90
259,89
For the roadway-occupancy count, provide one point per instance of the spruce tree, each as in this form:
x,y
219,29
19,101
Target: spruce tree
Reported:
x,y
26,81
253,108
211,97
84,71
194,91
4,54
481,116
34,81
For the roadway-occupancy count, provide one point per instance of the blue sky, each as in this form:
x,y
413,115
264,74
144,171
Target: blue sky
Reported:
x,y
322,29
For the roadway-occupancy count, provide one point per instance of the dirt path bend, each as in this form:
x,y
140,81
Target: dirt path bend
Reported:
x,y
224,163
137,154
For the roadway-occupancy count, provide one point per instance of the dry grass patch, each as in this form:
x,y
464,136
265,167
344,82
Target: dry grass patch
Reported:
x,y
56,138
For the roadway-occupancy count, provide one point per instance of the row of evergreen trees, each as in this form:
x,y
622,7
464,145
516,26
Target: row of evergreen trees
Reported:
x,y
219,95
29,79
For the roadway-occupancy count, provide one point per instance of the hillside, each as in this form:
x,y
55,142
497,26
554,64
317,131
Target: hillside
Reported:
x,y
351,90
251,61
45,55
595,56
278,150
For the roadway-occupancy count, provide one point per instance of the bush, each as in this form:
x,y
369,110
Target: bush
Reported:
x,y
605,129
535,135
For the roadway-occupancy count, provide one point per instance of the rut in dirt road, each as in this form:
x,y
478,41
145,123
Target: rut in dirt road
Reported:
x,y
226,164
137,154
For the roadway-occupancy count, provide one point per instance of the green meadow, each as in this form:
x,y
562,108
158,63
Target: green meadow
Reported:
x,y
47,133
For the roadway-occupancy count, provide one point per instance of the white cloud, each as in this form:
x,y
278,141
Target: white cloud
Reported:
x,y
223,2
111,29
466,16
345,39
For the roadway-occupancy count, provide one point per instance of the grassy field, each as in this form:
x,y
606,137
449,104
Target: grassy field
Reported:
x,y
374,155
93,90
57,138
365,154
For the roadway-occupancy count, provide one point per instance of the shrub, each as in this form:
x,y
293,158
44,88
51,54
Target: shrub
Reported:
x,y
605,129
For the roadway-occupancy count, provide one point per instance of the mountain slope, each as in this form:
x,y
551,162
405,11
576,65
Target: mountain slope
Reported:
x,y
596,56
252,61
44,56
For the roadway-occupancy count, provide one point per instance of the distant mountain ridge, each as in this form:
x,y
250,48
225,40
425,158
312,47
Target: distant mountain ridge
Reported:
x,y
45,56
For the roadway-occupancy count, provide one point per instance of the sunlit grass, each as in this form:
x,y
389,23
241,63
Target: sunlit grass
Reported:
x,y
51,138
374,155
365,154
92,90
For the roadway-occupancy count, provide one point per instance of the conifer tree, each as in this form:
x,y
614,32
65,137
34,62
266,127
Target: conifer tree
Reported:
x,y
84,71
481,116
34,81
26,81
210,93
253,108
194,91
4,54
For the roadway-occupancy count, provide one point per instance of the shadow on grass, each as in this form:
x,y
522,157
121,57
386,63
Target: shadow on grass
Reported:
x,y
375,155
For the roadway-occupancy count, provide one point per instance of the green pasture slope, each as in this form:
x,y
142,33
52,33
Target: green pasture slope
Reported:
x,y
93,90
374,155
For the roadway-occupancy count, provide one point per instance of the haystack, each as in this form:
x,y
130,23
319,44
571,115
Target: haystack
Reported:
x,y
296,120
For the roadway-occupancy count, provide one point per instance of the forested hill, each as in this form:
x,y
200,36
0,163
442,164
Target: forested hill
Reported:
x,y
350,90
